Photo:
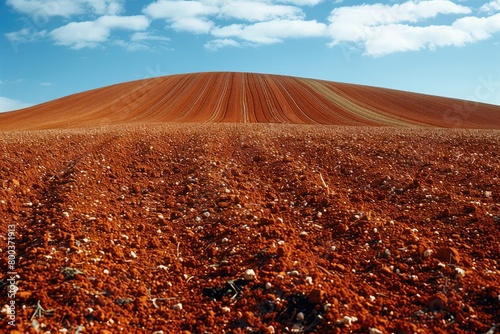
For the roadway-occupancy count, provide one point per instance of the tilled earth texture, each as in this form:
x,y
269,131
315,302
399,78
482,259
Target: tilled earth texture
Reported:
x,y
241,228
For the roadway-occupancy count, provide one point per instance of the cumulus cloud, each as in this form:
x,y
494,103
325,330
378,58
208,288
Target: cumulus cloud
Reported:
x,y
491,7
25,35
272,31
7,104
258,22
303,2
383,29
217,44
188,16
66,8
141,41
79,35
376,29
146,36
259,11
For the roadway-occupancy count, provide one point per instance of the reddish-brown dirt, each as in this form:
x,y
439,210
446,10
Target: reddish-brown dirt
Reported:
x,y
153,229
251,98
129,215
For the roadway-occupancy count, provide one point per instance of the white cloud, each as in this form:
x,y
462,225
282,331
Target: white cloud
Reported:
x,y
272,31
377,29
194,25
79,35
217,44
145,36
7,104
491,7
45,84
141,41
259,11
25,35
399,37
42,9
355,22
303,2
479,28
382,29
188,16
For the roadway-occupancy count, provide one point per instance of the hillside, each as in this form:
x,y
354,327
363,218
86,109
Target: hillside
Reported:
x,y
144,229
249,203
250,98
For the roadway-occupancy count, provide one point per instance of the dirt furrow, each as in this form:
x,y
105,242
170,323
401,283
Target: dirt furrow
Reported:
x,y
249,97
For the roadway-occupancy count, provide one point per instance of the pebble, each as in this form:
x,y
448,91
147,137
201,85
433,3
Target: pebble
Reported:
x,y
460,273
249,275
346,320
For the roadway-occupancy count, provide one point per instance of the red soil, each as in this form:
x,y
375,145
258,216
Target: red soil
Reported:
x,y
250,98
369,223
154,228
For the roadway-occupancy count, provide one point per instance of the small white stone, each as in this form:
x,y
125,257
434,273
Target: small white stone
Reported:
x,y
348,320
206,214
177,306
132,253
268,285
300,316
309,280
303,234
224,240
375,331
427,253
249,275
225,309
459,272
106,271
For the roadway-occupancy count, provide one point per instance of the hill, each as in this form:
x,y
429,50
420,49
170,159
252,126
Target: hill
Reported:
x,y
190,204
148,229
250,98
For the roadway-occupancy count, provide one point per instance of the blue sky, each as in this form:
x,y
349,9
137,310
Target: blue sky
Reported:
x,y
53,48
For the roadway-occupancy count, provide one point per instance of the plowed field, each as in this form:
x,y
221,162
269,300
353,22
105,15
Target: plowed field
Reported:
x,y
160,206
250,98
243,228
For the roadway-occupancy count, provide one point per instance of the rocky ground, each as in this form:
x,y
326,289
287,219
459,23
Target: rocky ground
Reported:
x,y
228,228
